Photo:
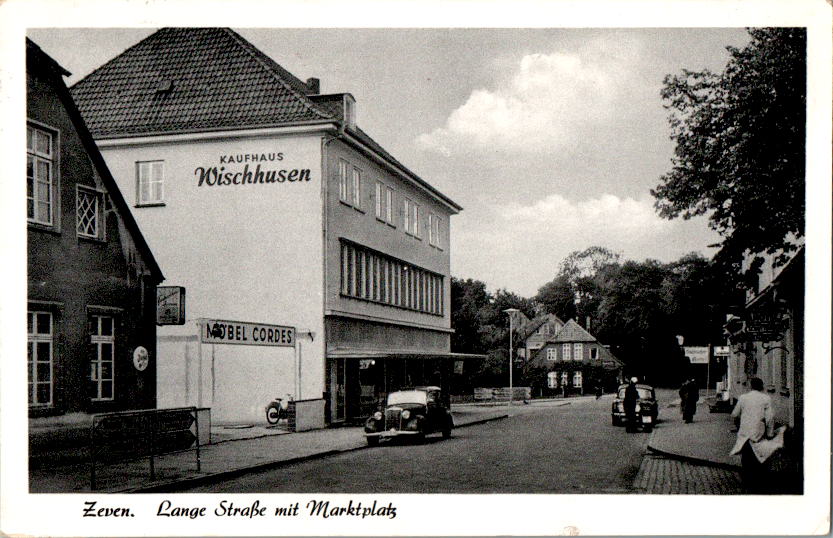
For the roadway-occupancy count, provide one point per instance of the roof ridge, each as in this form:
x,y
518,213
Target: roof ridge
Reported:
x,y
262,58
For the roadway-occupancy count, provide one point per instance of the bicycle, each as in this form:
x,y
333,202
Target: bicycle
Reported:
x,y
278,409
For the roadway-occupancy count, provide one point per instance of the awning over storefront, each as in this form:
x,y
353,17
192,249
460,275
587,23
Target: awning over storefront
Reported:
x,y
360,354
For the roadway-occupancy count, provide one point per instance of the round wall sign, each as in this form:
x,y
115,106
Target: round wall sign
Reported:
x,y
140,358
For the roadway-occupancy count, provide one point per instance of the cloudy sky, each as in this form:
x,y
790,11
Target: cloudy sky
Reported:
x,y
549,138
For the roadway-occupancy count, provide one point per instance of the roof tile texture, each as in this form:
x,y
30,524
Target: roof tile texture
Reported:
x,y
216,80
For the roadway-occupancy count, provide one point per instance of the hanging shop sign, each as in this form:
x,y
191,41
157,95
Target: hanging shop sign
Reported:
x,y
765,328
170,305
141,357
216,331
721,351
697,354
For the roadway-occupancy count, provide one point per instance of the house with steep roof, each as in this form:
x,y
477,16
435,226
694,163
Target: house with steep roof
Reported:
x,y
573,362
536,332
270,205
91,326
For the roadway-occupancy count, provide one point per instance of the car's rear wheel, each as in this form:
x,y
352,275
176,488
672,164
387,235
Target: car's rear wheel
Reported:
x,y
372,441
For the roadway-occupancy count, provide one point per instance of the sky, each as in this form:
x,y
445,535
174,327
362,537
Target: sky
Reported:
x,y
550,139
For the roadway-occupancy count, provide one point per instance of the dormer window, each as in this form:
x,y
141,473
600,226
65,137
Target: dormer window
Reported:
x,y
349,111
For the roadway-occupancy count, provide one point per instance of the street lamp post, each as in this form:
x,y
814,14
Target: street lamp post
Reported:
x,y
511,312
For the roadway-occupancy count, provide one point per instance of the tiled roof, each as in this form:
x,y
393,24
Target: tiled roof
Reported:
x,y
573,332
191,79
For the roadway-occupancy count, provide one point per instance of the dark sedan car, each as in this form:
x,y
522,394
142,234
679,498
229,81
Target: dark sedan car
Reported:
x,y
414,412
647,409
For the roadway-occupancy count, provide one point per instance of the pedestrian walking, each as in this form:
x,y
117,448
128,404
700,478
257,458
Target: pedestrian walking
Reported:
x,y
598,391
753,413
689,395
629,403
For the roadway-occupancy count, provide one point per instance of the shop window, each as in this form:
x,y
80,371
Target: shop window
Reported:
x,y
578,351
150,183
552,380
102,338
577,379
40,357
376,277
88,212
40,169
552,353
565,352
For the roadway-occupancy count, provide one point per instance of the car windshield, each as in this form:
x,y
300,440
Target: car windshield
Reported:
x,y
408,396
644,394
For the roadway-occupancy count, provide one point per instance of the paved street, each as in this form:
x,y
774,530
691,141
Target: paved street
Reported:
x,y
545,448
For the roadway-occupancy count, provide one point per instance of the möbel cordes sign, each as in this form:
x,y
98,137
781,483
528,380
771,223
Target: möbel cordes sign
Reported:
x,y
218,331
697,354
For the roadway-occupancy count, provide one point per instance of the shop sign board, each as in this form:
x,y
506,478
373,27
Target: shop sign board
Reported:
x,y
697,354
170,305
217,331
721,351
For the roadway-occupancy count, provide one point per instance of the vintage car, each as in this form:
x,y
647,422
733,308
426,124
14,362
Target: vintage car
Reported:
x,y
647,409
412,412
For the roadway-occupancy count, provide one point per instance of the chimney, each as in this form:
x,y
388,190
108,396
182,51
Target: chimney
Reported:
x,y
587,323
313,86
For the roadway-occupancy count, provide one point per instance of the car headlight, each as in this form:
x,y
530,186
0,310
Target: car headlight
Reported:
x,y
637,408
377,415
406,414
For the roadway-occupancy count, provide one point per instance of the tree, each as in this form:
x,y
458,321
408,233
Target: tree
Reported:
x,y
739,155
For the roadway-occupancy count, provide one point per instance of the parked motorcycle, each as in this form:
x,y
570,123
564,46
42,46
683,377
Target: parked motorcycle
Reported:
x,y
278,409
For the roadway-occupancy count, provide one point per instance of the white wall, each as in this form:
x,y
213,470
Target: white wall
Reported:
x,y
244,252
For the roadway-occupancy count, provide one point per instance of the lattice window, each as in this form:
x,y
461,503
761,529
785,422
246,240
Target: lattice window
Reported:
x,y
88,212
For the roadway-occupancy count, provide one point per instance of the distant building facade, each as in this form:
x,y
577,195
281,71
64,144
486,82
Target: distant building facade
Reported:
x,y
573,361
536,332
269,204
91,277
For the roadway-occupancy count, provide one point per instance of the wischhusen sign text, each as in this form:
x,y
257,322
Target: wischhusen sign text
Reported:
x,y
258,169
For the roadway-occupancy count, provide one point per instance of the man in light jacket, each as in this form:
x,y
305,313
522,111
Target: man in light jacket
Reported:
x,y
754,413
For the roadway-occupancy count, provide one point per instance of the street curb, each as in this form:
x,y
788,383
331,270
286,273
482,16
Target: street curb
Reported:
x,y
193,481
691,459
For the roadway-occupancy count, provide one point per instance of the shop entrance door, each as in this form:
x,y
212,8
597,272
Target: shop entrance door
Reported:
x,y
338,381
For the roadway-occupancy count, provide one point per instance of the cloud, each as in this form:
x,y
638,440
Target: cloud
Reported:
x,y
536,237
549,101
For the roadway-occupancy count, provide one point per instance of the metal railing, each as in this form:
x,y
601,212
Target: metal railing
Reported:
x,y
146,433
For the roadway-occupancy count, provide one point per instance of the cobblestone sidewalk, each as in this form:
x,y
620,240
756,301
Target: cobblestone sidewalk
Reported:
x,y
659,475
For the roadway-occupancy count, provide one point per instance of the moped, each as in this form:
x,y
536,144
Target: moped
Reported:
x,y
278,409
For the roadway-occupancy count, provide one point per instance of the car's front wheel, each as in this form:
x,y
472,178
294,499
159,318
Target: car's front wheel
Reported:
x,y
615,421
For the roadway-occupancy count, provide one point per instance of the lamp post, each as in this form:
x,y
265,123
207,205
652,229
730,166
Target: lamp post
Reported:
x,y
511,312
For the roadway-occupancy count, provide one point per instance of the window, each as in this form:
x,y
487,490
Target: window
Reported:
x,y
149,182
415,221
40,162
594,352
565,352
376,277
380,213
88,211
578,351
389,205
552,354
577,379
357,188
343,181
434,224
40,347
406,215
102,339
552,380
563,379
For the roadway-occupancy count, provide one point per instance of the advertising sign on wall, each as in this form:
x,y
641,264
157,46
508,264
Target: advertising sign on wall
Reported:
x,y
697,355
216,331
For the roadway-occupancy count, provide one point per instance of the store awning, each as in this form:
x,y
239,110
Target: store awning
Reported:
x,y
361,354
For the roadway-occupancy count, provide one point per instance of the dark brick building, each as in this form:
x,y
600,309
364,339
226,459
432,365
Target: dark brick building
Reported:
x,y
91,275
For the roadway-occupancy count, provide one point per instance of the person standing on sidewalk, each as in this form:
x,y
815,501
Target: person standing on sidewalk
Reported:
x,y
629,403
689,395
753,412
